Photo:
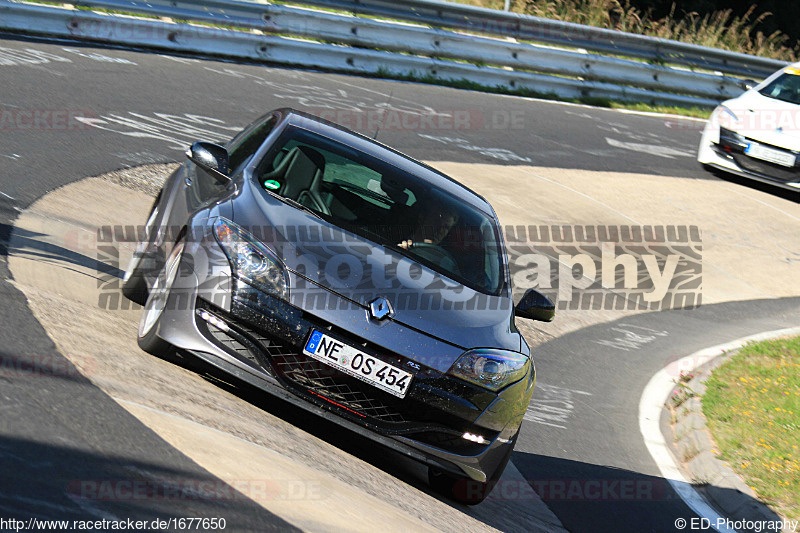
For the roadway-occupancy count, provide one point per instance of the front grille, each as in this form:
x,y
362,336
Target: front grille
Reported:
x,y
243,351
733,145
767,169
286,362
310,374
414,416
244,343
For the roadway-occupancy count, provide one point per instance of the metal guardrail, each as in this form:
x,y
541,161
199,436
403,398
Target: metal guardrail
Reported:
x,y
424,41
530,28
364,45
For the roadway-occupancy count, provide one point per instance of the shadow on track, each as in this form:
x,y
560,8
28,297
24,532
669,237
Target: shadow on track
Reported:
x,y
27,244
69,452
780,192
597,498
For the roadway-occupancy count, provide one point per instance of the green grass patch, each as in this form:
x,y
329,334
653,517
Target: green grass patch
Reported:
x,y
753,410
696,112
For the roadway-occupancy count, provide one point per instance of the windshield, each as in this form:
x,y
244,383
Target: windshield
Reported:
x,y
785,87
385,205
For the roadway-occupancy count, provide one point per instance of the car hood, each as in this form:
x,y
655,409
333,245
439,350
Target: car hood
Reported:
x,y
325,257
765,119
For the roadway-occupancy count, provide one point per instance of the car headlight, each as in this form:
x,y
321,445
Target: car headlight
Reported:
x,y
726,118
250,259
491,368
726,112
722,118
731,136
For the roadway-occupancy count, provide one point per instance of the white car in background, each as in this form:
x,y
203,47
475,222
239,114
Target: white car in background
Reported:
x,y
757,135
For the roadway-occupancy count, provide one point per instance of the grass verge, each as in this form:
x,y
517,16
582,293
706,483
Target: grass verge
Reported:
x,y
753,409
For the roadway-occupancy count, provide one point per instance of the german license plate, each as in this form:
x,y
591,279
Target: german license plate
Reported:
x,y
768,154
353,362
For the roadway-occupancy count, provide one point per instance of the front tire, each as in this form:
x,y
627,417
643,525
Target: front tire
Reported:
x,y
155,305
134,284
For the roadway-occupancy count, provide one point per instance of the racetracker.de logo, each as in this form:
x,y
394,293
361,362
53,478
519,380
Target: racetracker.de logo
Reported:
x,y
21,366
572,490
190,489
44,119
371,120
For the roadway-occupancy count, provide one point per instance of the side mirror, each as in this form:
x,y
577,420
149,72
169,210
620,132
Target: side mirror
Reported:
x,y
536,306
212,158
747,84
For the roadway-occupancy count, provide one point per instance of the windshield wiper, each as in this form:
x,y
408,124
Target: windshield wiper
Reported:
x,y
360,190
295,204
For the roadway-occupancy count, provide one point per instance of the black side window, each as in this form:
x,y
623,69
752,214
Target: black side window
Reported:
x,y
245,145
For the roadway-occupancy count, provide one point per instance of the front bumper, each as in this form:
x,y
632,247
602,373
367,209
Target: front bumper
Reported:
x,y
259,339
728,154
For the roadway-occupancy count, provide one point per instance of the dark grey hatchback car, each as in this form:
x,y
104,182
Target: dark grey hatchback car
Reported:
x,y
349,279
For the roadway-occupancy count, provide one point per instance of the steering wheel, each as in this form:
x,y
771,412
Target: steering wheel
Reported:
x,y
436,255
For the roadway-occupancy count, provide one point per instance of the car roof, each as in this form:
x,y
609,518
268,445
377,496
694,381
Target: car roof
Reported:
x,y
388,154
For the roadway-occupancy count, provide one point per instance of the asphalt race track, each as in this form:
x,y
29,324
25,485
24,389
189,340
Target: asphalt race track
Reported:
x,y
70,111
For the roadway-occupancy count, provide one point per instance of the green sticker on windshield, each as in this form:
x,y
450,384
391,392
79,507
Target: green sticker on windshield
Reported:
x,y
272,184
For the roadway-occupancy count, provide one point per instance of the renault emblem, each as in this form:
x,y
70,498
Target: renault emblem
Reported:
x,y
379,308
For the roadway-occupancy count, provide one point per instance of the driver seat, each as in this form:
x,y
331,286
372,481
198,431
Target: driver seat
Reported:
x,y
300,173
